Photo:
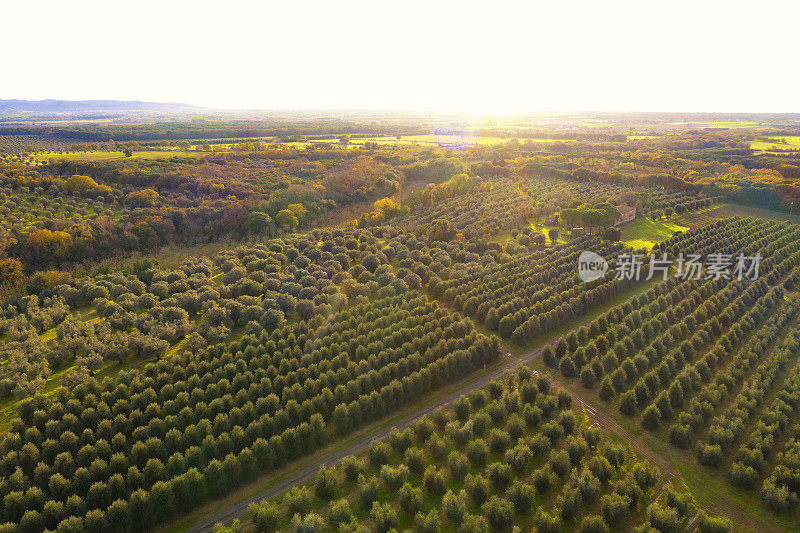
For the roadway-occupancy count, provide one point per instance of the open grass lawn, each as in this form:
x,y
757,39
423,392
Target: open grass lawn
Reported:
x,y
563,235
646,233
700,218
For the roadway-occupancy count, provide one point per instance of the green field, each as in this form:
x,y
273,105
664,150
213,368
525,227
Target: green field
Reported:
x,y
645,233
788,142
702,217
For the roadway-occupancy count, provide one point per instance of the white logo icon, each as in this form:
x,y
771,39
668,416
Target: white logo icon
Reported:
x,y
591,266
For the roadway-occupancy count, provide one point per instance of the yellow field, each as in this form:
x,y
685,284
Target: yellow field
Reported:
x,y
453,141
724,124
108,156
433,139
423,140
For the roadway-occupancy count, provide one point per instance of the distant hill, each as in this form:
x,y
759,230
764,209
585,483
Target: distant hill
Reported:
x,y
83,106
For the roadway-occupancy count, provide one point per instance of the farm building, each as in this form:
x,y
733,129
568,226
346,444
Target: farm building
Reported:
x,y
626,214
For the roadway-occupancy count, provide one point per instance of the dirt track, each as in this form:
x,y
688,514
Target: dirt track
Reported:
x,y
301,476
509,363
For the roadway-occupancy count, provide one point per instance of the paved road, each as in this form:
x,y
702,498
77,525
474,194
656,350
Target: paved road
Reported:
x,y
301,476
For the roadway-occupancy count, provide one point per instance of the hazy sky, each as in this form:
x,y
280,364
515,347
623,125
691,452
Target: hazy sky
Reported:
x,y
483,57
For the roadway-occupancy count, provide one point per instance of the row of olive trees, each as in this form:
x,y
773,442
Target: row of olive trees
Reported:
x,y
213,418
440,473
